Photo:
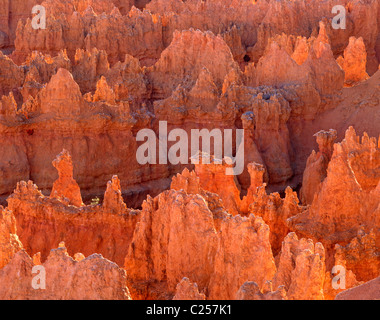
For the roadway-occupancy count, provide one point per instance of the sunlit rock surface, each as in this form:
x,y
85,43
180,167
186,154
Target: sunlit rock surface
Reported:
x,y
76,201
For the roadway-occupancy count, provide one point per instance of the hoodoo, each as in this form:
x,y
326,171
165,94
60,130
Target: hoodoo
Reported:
x,y
189,150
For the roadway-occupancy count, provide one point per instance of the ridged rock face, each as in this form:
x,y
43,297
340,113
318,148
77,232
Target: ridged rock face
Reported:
x,y
275,211
80,92
56,107
98,228
271,135
316,165
276,67
61,96
9,241
247,24
301,268
88,66
92,278
15,75
66,188
154,255
187,181
8,107
242,241
251,291
186,290
69,29
20,10
213,178
184,216
352,172
360,256
354,62
193,79
206,50
281,65
225,272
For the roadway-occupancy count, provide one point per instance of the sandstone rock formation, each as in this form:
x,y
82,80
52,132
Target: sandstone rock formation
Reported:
x,y
10,243
353,173
153,258
354,62
316,166
98,228
242,242
66,187
305,94
188,291
93,278
301,268
251,291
